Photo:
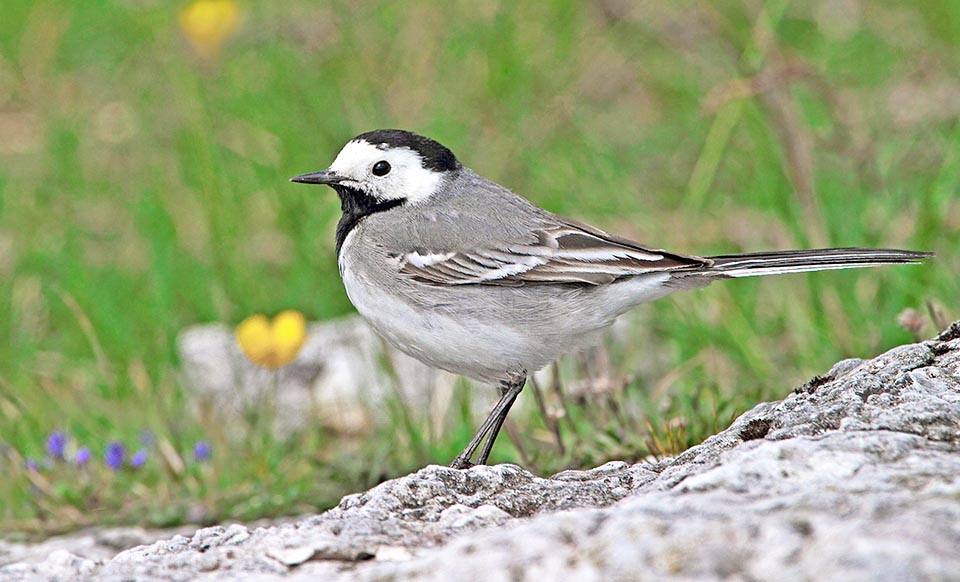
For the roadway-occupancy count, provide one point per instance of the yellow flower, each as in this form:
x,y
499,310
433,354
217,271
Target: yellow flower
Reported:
x,y
207,24
272,343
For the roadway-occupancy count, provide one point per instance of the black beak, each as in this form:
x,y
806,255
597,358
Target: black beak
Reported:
x,y
323,177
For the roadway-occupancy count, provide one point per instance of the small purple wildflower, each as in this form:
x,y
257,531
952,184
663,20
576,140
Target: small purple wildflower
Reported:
x,y
202,451
56,443
114,456
32,465
147,438
83,456
138,459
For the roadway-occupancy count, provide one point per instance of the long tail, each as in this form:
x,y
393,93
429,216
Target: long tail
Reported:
x,y
778,262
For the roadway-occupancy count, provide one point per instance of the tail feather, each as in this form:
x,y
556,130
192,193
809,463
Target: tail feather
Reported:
x,y
778,262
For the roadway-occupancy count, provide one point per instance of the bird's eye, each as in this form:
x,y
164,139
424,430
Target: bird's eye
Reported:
x,y
381,168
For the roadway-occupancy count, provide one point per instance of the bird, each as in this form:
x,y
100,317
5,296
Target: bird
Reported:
x,y
464,275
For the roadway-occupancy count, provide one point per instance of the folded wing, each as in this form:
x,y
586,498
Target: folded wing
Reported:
x,y
564,252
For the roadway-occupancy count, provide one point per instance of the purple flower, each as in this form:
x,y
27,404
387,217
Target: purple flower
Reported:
x,y
114,456
56,443
147,438
83,456
138,459
202,451
32,465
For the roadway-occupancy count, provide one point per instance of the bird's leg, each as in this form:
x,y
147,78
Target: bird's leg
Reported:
x,y
513,391
491,426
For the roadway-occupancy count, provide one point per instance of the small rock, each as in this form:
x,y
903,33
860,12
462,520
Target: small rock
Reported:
x,y
337,374
343,368
292,556
393,554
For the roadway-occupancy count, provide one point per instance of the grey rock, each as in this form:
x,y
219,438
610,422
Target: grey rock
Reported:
x,y
343,367
854,476
92,543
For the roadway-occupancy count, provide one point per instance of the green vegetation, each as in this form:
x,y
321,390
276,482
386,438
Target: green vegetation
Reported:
x,y
143,188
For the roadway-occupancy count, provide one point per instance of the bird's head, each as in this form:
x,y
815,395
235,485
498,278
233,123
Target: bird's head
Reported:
x,y
388,166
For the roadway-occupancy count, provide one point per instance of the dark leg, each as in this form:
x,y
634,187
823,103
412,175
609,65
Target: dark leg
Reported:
x,y
488,444
490,427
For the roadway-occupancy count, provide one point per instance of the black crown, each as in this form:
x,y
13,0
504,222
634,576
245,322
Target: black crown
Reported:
x,y
435,156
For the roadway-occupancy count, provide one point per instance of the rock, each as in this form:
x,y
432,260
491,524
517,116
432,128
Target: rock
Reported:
x,y
92,543
854,476
343,367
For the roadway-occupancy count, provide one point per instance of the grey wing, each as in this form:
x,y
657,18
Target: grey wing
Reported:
x,y
565,251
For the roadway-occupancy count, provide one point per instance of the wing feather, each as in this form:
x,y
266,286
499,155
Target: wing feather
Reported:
x,y
564,252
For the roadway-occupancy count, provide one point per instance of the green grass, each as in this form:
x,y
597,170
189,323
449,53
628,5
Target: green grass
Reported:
x,y
143,190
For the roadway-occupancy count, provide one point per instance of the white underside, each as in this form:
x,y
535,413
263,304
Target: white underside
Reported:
x,y
494,347
485,351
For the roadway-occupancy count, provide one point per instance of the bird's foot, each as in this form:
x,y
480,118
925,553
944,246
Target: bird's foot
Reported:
x,y
461,462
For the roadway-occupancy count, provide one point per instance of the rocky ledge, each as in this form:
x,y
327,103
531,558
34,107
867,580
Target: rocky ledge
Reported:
x,y
854,476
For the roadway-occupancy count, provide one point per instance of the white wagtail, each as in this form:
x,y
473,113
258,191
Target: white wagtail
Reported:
x,y
464,275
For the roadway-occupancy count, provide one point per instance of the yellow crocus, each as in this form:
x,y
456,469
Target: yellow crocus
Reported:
x,y
207,24
272,344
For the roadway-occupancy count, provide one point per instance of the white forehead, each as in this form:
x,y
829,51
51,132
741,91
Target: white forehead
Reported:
x,y
359,153
407,178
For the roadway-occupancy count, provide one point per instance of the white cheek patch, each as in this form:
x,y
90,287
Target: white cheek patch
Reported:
x,y
408,179
416,182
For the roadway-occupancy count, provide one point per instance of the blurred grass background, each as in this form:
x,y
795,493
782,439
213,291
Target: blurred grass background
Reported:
x,y
143,188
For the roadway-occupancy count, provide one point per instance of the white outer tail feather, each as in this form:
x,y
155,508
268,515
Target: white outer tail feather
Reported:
x,y
758,271
782,262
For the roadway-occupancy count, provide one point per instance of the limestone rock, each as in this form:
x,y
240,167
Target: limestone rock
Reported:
x,y
343,365
854,476
79,551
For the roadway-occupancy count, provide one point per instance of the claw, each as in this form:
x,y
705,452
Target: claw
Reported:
x,y
461,463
